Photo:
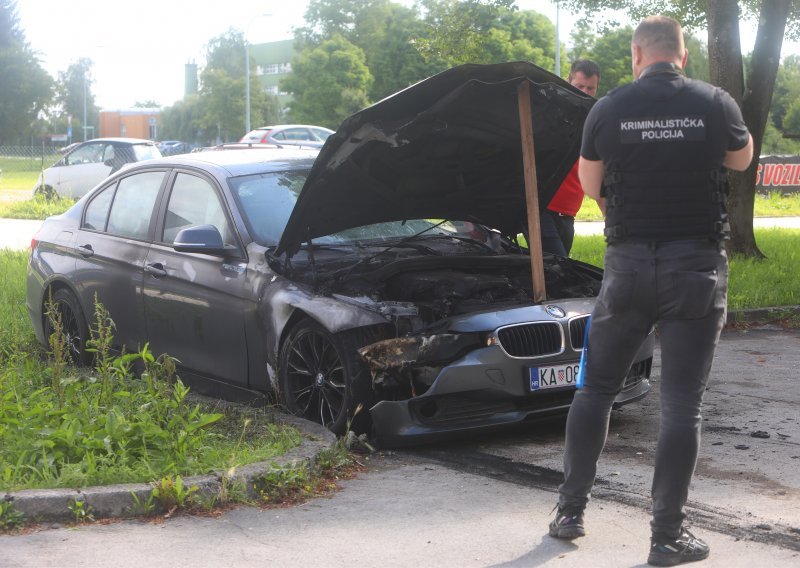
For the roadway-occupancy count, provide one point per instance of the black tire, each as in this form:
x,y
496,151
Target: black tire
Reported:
x,y
47,191
74,323
323,379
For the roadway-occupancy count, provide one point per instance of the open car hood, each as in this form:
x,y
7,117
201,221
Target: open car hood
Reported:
x,y
448,147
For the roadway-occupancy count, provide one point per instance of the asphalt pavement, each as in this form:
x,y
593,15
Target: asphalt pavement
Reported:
x,y
404,511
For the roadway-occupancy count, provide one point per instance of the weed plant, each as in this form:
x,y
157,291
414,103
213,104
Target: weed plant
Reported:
x,y
62,426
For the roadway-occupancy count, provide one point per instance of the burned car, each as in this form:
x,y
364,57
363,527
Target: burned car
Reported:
x,y
389,273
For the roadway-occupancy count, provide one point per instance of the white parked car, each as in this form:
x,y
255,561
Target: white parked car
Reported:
x,y
89,163
306,135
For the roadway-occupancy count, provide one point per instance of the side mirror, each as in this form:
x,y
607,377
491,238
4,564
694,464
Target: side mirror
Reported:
x,y
204,239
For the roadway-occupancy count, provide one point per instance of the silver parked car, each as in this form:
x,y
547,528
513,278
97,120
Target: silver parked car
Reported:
x,y
387,272
306,135
88,163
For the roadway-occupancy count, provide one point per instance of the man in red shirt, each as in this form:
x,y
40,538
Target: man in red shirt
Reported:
x,y
558,219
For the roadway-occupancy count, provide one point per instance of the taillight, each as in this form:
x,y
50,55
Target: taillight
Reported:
x,y
34,242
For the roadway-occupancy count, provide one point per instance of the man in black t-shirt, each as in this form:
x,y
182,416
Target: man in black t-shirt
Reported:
x,y
657,147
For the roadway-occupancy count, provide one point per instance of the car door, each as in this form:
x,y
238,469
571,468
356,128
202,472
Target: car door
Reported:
x,y
195,304
82,169
111,247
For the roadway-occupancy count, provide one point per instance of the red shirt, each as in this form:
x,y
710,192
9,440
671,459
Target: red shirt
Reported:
x,y
569,197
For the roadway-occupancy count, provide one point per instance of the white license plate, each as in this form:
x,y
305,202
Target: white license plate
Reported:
x,y
554,377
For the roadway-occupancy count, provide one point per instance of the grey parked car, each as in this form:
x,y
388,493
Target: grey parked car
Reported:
x,y
388,272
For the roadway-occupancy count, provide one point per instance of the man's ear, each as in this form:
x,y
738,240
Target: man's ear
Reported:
x,y
685,58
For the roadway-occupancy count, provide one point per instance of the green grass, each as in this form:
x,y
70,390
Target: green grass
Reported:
x,y
752,283
66,427
20,174
36,208
774,205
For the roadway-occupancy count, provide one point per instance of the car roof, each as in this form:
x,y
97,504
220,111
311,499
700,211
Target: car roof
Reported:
x,y
244,161
121,140
282,126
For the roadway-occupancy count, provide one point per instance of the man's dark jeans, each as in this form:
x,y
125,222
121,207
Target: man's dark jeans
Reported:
x,y
681,286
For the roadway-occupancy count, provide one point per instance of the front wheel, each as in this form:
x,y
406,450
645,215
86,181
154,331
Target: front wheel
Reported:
x,y
68,311
323,380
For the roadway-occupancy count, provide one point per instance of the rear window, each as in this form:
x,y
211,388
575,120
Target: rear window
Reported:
x,y
146,152
256,135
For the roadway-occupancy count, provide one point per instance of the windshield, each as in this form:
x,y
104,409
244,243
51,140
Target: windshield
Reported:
x,y
267,200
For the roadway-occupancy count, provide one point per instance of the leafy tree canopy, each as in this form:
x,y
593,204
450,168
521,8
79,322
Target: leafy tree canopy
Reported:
x,y
329,82
25,87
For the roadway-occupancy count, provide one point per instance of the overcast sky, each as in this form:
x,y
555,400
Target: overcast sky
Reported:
x,y
140,47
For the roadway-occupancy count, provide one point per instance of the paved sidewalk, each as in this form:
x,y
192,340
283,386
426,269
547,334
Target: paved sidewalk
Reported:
x,y
401,513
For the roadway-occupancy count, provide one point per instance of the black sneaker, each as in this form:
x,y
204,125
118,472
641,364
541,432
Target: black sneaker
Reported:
x,y
670,551
568,523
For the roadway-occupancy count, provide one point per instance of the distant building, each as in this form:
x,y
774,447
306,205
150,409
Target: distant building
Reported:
x,y
130,123
190,82
273,62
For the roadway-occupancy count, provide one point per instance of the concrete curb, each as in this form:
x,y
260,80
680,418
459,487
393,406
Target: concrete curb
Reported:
x,y
126,500
762,315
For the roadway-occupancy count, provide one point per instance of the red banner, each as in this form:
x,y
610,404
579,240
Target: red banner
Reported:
x,y
778,173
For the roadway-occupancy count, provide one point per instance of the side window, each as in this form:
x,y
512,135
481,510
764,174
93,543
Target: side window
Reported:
x,y
133,204
88,154
320,135
297,134
279,136
97,210
194,201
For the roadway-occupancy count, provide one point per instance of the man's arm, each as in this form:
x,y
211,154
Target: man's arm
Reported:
x,y
738,160
590,172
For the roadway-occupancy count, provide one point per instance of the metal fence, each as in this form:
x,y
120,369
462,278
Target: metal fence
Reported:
x,y
27,158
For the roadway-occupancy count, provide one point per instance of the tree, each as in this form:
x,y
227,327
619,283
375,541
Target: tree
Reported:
x,y
25,87
612,52
726,70
221,113
787,87
73,95
181,121
146,104
458,30
385,31
329,82
792,121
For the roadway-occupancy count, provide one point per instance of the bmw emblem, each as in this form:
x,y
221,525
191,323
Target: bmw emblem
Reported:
x,y
555,311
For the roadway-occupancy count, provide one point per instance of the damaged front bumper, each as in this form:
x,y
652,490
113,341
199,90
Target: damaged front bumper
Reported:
x,y
482,389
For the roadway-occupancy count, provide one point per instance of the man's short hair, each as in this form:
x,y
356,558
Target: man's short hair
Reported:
x,y
660,36
585,66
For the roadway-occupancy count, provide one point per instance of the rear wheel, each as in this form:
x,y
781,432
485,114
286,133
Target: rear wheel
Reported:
x,y
73,325
322,378
46,191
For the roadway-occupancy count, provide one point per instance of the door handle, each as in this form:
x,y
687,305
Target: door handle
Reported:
x,y
156,269
85,250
